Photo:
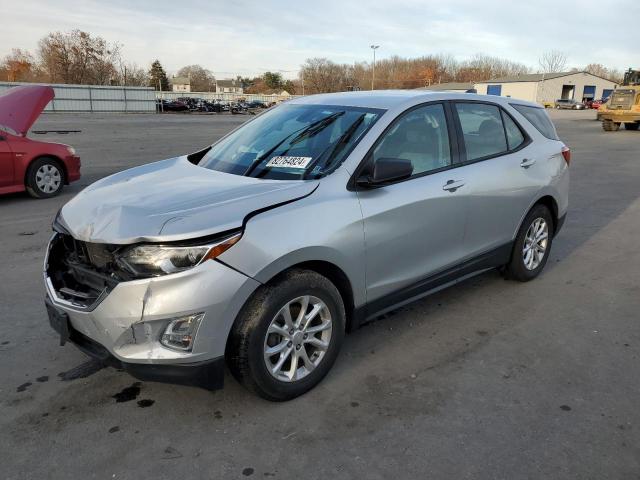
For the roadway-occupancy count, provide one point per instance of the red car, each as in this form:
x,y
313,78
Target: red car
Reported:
x,y
40,168
595,104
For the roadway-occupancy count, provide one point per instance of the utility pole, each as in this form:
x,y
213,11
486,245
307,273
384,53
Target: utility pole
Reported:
x,y
373,72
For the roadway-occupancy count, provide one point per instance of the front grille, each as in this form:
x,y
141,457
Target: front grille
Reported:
x,y
81,273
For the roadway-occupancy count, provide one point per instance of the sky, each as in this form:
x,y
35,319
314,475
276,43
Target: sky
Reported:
x,y
241,37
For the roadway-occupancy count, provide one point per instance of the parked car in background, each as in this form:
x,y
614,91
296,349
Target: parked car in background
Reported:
x,y
40,168
570,104
263,249
202,105
256,104
595,104
225,106
174,106
238,107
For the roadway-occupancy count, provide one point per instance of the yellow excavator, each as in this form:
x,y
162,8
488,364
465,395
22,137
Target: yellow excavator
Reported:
x,y
624,105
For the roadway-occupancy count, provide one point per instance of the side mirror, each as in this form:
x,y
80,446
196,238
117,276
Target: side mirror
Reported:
x,y
386,170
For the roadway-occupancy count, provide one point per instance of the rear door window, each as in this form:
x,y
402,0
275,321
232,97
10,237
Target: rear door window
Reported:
x,y
515,137
482,129
539,119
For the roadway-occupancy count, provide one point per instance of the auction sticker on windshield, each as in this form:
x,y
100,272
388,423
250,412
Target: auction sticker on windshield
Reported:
x,y
289,162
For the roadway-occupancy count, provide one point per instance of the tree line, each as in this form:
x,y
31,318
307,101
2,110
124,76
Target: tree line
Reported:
x,y
320,75
77,57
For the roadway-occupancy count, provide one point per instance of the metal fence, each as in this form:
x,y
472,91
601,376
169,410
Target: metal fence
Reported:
x,y
95,98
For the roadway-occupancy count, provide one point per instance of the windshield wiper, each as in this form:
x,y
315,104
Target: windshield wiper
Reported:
x,y
342,141
310,129
316,127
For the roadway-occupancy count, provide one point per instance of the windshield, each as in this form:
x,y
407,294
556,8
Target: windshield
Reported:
x,y
292,142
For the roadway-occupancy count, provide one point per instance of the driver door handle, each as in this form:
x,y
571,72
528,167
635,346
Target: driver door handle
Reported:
x,y
527,162
453,185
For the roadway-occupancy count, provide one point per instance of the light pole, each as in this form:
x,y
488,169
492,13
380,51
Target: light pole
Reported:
x,y
373,73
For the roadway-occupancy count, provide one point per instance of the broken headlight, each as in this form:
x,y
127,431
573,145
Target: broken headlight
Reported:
x,y
151,260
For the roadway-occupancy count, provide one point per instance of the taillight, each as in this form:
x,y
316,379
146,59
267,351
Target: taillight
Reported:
x,y
566,153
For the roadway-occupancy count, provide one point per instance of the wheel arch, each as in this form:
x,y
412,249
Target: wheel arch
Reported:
x,y
336,275
549,202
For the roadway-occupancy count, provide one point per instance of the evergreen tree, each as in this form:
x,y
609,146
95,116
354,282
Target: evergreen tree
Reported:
x,y
157,77
273,80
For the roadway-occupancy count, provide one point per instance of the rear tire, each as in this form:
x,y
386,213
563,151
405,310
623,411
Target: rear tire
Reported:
x,y
45,178
610,126
631,126
263,344
532,246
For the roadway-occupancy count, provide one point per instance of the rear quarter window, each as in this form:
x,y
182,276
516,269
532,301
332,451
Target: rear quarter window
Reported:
x,y
538,117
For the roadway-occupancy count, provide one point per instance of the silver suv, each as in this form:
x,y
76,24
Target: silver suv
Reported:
x,y
261,250
569,104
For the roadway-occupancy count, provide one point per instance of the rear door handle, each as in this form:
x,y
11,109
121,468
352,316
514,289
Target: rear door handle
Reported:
x,y
527,162
453,185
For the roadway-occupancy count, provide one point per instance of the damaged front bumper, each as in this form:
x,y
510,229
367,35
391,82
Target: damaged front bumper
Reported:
x,y
123,325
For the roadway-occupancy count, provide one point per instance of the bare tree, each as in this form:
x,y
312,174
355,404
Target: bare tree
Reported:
x,y
484,67
553,61
131,75
202,80
322,75
19,66
604,72
78,57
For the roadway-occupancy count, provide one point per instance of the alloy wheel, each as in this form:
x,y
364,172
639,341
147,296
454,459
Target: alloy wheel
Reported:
x,y
297,338
535,244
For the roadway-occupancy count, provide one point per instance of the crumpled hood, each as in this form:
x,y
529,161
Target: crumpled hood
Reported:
x,y
21,106
171,200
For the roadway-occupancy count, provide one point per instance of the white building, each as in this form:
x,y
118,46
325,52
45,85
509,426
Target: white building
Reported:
x,y
181,84
541,88
229,86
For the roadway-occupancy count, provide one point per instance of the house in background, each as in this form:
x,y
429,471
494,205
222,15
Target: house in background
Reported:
x,y
181,84
229,86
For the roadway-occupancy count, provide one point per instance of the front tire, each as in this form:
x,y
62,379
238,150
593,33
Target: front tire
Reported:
x,y
288,335
45,178
610,126
532,245
631,126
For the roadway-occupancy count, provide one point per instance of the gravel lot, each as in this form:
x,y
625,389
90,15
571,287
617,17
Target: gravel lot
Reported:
x,y
489,380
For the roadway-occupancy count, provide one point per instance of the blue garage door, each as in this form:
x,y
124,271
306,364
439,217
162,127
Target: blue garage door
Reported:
x,y
589,91
606,93
494,90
